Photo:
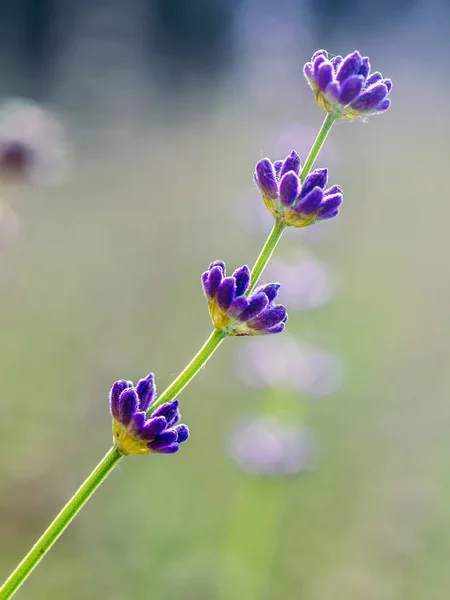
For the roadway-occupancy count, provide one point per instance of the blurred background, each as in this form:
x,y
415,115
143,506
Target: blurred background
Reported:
x,y
319,461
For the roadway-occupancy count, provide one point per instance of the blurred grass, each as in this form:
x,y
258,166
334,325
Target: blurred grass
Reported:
x,y
104,283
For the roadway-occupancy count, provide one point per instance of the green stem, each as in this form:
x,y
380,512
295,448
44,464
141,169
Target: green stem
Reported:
x,y
59,524
199,360
266,253
112,458
318,143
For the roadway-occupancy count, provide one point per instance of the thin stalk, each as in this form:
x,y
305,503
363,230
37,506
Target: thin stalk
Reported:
x,y
327,124
113,456
266,253
59,524
199,360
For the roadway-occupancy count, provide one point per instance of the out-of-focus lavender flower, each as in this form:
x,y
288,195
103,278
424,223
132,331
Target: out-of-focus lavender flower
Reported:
x,y
287,198
233,309
307,282
287,363
32,143
266,446
345,86
136,433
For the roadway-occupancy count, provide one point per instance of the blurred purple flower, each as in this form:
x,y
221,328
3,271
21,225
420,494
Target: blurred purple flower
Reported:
x,y
285,362
266,446
307,282
32,143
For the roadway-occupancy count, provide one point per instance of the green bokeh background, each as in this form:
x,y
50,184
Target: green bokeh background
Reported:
x,y
103,283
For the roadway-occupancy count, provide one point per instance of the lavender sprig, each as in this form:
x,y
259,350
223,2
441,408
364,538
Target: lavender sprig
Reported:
x,y
128,428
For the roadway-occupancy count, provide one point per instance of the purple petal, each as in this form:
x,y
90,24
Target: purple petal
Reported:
x,y
237,306
269,318
174,420
308,70
213,283
364,69
318,178
256,304
226,293
276,328
319,53
330,204
270,290
146,391
334,189
242,277
117,388
388,84
377,76
316,64
384,105
336,62
277,165
218,263
167,450
289,188
164,439
167,410
329,215
182,433
266,179
128,405
153,428
291,163
311,202
332,91
369,99
324,75
351,88
137,422
349,66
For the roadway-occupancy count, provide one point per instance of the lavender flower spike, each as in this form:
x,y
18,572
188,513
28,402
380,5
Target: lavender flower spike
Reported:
x,y
136,433
233,309
297,204
345,86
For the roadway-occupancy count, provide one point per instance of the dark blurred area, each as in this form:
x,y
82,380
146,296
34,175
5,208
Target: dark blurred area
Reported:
x,y
317,465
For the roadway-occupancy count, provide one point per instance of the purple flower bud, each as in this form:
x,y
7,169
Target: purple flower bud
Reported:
x,y
146,391
289,188
212,281
167,449
319,53
349,66
317,63
270,290
257,303
291,163
350,89
226,293
269,318
364,69
265,179
154,427
369,99
317,178
336,62
242,278
237,307
167,410
278,165
182,433
324,75
310,202
163,440
114,395
128,405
